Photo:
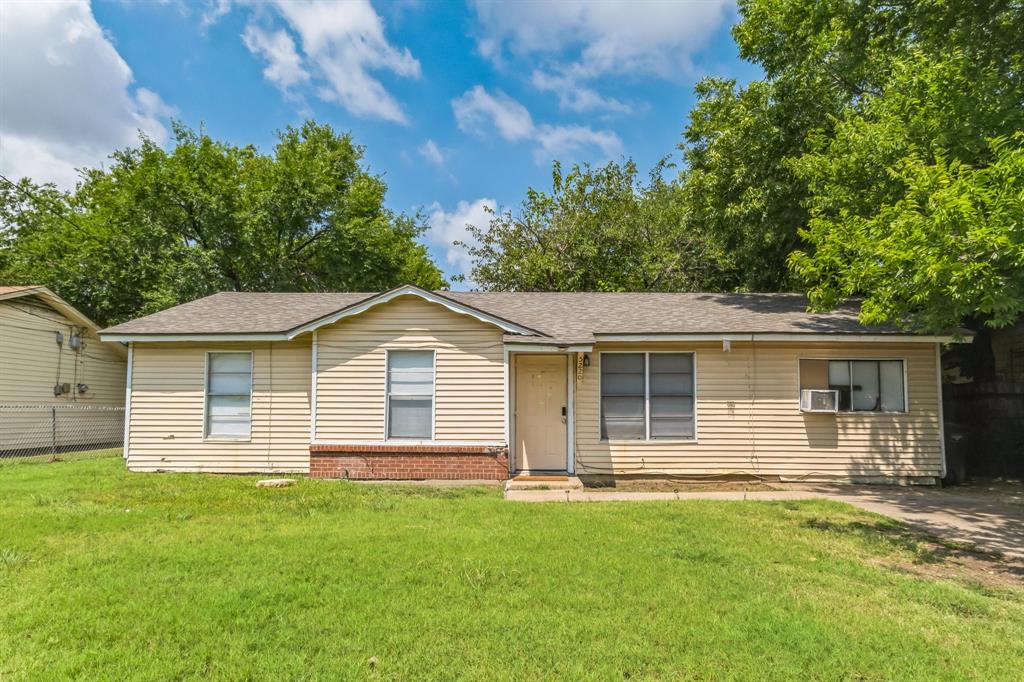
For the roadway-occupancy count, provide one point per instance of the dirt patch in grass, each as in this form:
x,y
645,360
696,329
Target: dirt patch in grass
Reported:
x,y
930,557
968,566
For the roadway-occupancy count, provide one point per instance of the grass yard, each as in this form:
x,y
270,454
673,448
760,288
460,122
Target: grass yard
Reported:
x,y
110,575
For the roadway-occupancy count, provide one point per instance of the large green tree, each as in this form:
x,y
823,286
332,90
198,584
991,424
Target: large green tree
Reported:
x,y
869,115
598,229
159,227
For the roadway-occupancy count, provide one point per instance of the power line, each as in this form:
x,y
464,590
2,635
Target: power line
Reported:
x,y
39,202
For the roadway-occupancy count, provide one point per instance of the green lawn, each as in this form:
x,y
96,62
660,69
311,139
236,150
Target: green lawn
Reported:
x,y
110,575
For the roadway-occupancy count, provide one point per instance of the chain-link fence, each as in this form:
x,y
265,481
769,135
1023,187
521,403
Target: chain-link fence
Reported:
x,y
27,430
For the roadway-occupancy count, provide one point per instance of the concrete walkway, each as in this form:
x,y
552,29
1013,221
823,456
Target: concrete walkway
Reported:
x,y
988,516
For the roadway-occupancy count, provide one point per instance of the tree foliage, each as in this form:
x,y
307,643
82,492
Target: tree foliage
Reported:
x,y
869,113
950,247
598,229
161,227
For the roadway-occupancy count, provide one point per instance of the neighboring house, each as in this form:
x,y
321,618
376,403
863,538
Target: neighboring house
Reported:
x,y
61,388
417,384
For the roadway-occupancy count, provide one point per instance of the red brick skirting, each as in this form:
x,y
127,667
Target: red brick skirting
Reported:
x,y
408,462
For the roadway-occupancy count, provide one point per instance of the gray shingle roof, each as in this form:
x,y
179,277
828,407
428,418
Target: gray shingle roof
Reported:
x,y
239,313
565,317
580,315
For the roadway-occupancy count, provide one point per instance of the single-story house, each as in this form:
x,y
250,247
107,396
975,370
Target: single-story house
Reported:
x,y
61,388
413,384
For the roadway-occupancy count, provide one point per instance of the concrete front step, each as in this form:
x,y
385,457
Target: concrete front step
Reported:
x,y
548,483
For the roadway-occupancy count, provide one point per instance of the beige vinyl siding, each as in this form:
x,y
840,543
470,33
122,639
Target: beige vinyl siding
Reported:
x,y
167,409
748,418
31,363
351,371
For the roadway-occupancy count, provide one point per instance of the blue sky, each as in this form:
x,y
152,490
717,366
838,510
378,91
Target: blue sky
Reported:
x,y
460,104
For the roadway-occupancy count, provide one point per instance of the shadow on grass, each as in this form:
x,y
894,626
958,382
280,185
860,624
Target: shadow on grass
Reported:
x,y
931,556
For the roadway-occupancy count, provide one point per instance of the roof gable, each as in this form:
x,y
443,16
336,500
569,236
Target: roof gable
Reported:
x,y
279,317
42,293
412,290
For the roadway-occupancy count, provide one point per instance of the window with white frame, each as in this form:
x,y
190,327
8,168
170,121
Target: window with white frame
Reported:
x,y
410,398
229,395
863,385
647,396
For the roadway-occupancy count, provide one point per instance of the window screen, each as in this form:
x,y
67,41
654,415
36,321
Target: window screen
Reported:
x,y
671,389
229,395
622,396
411,394
633,384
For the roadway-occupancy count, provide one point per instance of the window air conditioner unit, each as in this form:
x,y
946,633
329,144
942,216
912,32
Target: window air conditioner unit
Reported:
x,y
819,400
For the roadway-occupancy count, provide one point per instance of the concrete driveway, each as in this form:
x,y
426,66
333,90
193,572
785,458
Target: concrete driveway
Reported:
x,y
989,516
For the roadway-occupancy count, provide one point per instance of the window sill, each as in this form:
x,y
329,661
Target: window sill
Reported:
x,y
225,439
865,412
667,441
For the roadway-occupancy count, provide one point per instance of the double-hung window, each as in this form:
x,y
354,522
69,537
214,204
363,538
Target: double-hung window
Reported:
x,y
229,395
410,398
863,385
647,396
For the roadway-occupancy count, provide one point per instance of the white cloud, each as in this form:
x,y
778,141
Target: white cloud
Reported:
x,y
214,10
478,111
345,42
284,66
447,227
610,36
476,108
557,141
67,97
432,153
574,96
580,40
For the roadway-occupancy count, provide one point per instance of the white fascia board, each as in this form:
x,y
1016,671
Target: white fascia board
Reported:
x,y
164,338
526,347
809,338
409,290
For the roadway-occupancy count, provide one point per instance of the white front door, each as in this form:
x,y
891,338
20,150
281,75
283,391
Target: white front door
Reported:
x,y
541,412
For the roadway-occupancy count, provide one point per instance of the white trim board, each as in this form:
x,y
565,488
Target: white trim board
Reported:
x,y
549,349
312,389
570,415
212,338
808,338
128,400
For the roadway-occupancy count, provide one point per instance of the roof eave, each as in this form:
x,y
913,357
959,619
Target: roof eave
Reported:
x,y
862,337
168,338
